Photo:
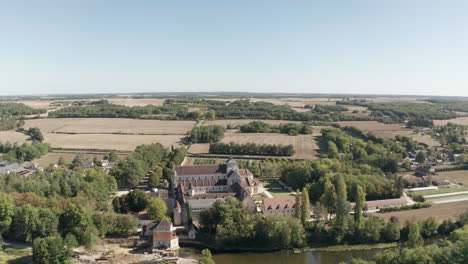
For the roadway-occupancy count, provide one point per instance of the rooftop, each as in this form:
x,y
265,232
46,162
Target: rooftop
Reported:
x,y
200,170
279,202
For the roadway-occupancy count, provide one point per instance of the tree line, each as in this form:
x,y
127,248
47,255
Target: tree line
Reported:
x,y
18,109
285,128
206,134
251,149
24,152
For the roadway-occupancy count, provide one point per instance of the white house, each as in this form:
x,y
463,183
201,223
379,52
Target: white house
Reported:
x,y
164,236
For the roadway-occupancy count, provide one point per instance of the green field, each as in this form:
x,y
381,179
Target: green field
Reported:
x,y
276,189
15,256
441,191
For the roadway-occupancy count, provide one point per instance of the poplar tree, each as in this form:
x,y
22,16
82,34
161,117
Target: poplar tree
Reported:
x,y
297,206
341,199
328,198
414,237
360,201
305,204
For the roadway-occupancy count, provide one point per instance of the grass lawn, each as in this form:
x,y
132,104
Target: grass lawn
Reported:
x,y
440,191
276,189
15,256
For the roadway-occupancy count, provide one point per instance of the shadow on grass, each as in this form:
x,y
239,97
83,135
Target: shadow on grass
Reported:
x,y
21,260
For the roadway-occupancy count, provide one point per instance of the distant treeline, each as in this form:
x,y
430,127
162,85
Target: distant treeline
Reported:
x,y
252,149
400,111
326,109
193,101
18,109
286,128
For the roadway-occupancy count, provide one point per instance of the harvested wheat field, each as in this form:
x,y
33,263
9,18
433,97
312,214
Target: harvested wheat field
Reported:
x,y
305,145
297,102
440,211
109,142
459,120
111,126
390,131
12,137
239,122
136,102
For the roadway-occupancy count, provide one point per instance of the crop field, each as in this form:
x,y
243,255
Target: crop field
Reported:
x,y
53,157
12,137
111,126
459,177
203,161
440,211
297,102
109,141
390,131
305,145
458,120
239,122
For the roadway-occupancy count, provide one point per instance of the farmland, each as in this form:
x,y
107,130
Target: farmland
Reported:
x,y
110,126
53,157
460,177
136,102
108,142
12,137
458,120
441,212
305,145
390,131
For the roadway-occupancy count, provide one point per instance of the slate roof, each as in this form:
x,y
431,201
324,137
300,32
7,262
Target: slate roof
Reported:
x,y
201,183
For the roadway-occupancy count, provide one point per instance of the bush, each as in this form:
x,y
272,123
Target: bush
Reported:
x,y
406,207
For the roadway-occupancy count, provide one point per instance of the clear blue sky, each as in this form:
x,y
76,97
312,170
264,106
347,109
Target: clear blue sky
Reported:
x,y
328,46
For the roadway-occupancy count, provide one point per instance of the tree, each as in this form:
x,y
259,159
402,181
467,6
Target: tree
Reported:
x,y
61,161
50,250
155,177
36,134
137,201
76,220
297,205
429,227
206,257
157,209
328,198
211,114
332,149
6,211
414,237
341,199
305,205
391,231
420,157
360,201
113,156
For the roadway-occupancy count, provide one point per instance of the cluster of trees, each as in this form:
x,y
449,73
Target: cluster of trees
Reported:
x,y
137,201
57,226
18,109
35,134
229,226
136,166
206,134
326,109
24,152
367,149
285,128
398,112
105,109
419,122
10,123
451,250
245,109
93,184
252,149
451,135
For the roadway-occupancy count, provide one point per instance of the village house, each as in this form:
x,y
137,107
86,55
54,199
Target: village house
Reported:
x,y
279,206
437,180
164,236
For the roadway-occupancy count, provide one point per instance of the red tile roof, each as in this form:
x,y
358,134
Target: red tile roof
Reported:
x,y
279,202
200,170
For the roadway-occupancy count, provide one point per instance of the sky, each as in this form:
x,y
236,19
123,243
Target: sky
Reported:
x,y
417,47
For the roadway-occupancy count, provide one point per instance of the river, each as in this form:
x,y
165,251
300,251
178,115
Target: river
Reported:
x,y
315,256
